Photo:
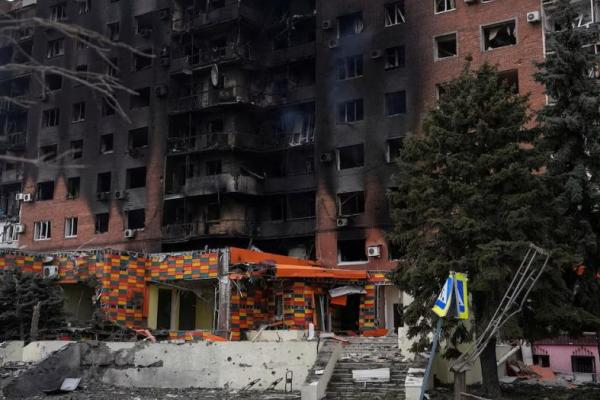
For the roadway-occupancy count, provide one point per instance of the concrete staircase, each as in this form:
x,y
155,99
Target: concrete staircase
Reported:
x,y
369,353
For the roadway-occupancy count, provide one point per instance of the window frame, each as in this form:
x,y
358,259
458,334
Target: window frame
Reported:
x,y
436,38
71,227
398,7
346,104
446,9
78,112
387,101
37,230
483,28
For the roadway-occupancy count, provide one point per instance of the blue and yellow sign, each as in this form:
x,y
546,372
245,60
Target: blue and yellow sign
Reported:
x,y
444,300
462,295
454,293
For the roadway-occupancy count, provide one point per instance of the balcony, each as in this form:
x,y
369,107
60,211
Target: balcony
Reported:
x,y
290,183
215,142
11,176
291,54
186,64
14,141
207,20
222,183
184,232
289,228
292,95
213,98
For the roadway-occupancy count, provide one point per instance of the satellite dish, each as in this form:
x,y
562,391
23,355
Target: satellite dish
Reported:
x,y
214,75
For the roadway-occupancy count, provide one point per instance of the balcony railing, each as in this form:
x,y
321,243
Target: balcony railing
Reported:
x,y
212,98
220,15
295,53
193,230
215,141
13,141
223,183
231,52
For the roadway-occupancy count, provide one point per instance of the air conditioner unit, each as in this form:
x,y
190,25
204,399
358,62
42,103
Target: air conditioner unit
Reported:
x,y
27,197
50,271
19,228
533,17
374,251
120,194
19,196
129,233
161,90
341,222
326,157
164,13
333,43
326,24
377,53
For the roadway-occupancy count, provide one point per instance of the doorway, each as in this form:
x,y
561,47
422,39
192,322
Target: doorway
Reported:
x,y
345,314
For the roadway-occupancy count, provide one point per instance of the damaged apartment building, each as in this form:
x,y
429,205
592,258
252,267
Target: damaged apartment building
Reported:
x,y
258,123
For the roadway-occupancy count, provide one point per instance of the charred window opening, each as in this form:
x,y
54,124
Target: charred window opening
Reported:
x,y
510,79
351,24
395,57
394,13
73,185
394,147
499,35
302,205
78,112
350,111
213,212
50,117
53,82
351,251
136,178
71,227
144,24
112,68
446,46
215,126
349,67
55,48
395,103
542,360
296,126
48,153
213,167
276,205
113,31
136,219
218,47
106,144
58,12
351,203
101,223
142,99
103,182
444,5
42,230
138,138
351,156
44,191
81,71
141,62
215,4
84,6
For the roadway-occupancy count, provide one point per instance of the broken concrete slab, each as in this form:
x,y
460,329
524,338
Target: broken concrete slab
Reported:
x,y
11,352
371,375
38,351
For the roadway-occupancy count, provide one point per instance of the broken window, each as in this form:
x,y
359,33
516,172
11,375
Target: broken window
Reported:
x,y
499,35
44,191
142,99
76,149
395,103
48,153
351,156
50,117
213,167
276,206
218,48
351,251
395,57
394,13
138,138
141,62
78,112
394,147
113,31
106,143
55,48
58,12
583,364
71,227
349,67
543,360
351,203
444,5
446,46
42,230
510,79
144,24
136,178
53,82
103,182
112,68
73,185
302,205
101,223
351,24
350,111
84,6
136,219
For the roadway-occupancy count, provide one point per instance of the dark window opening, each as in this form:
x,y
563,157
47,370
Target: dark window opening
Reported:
x,y
395,103
394,13
163,319
510,79
138,138
44,191
142,99
103,183
55,48
583,364
73,185
58,12
112,68
213,212
144,24
276,206
351,24
213,167
113,31
136,219
395,57
101,223
446,46
51,117
81,72
84,6
542,360
107,108
394,147
187,310
351,156
218,48
302,205
349,67
76,149
350,111
48,153
78,112
351,251
215,4
141,62
351,203
444,5
136,178
71,225
106,143
499,35
53,82
215,126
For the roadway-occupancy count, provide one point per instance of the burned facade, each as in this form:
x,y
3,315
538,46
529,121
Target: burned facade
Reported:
x,y
258,123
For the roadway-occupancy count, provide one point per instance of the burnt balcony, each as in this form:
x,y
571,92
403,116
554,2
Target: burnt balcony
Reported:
x,y
183,232
289,228
292,95
202,59
290,183
209,19
222,183
14,175
213,98
222,141
14,141
300,52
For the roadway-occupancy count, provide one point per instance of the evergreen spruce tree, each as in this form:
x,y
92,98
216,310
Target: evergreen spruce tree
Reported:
x,y
468,199
571,138
19,294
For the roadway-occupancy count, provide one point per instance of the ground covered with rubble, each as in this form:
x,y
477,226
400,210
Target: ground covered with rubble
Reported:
x,y
528,391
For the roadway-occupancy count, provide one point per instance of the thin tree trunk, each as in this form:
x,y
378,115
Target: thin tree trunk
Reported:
x,y
489,370
35,322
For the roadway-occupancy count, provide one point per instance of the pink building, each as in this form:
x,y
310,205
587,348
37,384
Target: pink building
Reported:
x,y
578,357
